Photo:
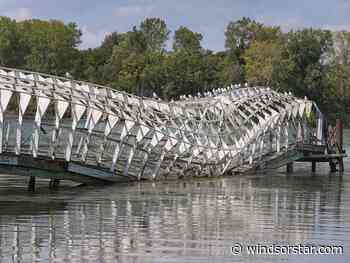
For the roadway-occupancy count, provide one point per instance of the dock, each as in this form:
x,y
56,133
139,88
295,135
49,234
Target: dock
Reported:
x,y
329,150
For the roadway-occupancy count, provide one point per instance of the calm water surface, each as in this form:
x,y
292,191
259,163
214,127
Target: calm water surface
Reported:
x,y
182,221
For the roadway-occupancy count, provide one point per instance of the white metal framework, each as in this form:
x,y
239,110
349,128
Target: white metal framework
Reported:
x,y
94,127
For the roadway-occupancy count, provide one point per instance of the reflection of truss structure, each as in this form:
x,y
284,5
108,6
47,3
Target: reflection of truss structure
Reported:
x,y
90,127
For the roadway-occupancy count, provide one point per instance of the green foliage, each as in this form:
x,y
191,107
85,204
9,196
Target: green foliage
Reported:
x,y
229,69
185,39
240,34
341,49
44,46
185,74
308,47
10,51
50,45
155,33
309,62
307,51
154,75
262,59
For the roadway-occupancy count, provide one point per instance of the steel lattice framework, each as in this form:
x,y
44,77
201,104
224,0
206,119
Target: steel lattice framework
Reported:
x,y
106,133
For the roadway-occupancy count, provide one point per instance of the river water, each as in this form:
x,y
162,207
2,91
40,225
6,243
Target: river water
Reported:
x,y
178,221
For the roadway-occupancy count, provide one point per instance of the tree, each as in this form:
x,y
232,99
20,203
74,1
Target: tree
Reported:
x,y
93,62
106,49
341,48
229,69
338,75
184,72
155,33
308,51
309,62
241,33
11,54
127,62
308,46
185,39
338,92
50,46
210,68
262,58
154,75
135,41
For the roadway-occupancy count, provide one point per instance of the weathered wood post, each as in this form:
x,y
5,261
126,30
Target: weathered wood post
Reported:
x,y
333,166
31,184
313,166
339,139
289,167
54,183
271,140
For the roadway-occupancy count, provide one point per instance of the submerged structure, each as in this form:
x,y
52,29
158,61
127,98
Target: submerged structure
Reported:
x,y
49,123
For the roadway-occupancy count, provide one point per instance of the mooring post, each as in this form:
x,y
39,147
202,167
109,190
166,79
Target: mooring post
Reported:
x,y
339,138
271,141
54,183
289,167
333,166
31,184
313,166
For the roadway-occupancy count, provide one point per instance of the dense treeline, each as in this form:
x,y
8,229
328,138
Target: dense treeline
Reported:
x,y
308,62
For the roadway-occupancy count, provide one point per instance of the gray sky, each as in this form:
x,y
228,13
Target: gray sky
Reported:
x,y
96,18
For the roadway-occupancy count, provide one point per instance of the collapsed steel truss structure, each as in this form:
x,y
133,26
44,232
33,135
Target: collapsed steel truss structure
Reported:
x,y
94,128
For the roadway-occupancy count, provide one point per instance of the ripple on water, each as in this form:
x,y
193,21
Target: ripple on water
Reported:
x,y
183,221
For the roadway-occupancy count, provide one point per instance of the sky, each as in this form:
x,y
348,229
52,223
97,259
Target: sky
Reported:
x,y
96,18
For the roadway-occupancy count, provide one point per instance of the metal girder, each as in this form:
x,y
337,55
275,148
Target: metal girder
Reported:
x,y
129,136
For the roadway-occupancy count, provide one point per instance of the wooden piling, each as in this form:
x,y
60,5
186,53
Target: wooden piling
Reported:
x,y
54,183
31,184
333,166
51,184
339,139
313,166
289,167
271,141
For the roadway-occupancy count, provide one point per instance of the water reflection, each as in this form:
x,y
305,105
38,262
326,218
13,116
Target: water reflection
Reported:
x,y
183,221
177,221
